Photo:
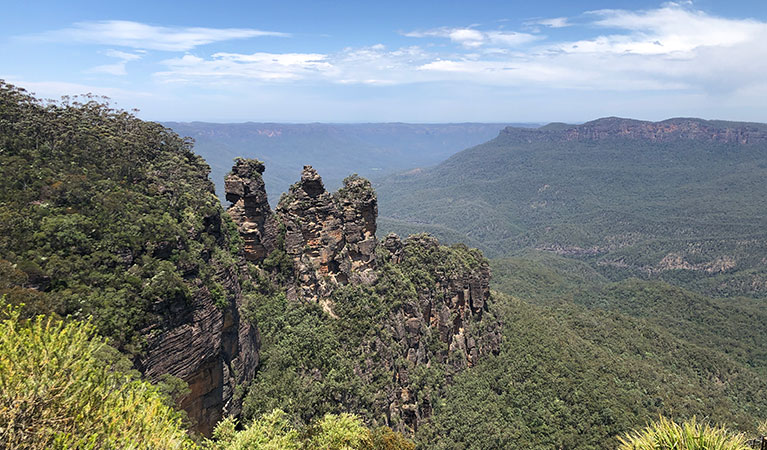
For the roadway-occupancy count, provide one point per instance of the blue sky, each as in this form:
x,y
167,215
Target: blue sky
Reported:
x,y
415,61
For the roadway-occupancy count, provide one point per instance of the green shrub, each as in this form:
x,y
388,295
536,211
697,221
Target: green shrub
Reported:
x,y
56,391
273,431
340,432
691,435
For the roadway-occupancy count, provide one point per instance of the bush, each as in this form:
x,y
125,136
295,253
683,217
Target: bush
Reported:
x,y
333,432
271,431
57,392
691,435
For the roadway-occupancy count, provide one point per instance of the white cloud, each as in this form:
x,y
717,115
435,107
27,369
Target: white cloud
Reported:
x,y
118,68
125,33
125,56
255,66
473,38
669,48
554,22
673,28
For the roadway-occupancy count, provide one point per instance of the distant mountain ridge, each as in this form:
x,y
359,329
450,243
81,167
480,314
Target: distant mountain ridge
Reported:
x,y
336,150
679,128
678,199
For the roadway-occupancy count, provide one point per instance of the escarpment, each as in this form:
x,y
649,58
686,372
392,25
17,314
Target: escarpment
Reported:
x,y
677,129
436,299
122,226
204,340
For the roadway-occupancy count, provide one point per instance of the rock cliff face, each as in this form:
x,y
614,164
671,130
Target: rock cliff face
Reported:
x,y
250,208
331,237
208,345
672,129
441,319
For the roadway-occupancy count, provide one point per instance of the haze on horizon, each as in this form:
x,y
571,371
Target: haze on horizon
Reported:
x,y
433,62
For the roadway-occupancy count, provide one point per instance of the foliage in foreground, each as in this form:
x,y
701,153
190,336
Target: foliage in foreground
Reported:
x,y
59,390
333,432
665,434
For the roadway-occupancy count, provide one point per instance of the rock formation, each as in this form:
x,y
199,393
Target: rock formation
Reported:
x,y
330,240
250,208
330,237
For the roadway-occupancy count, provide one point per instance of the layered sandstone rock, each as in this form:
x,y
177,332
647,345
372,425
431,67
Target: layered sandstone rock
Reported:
x,y
208,345
331,237
250,208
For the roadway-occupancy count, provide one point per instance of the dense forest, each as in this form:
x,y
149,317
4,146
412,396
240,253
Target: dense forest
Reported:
x,y
125,284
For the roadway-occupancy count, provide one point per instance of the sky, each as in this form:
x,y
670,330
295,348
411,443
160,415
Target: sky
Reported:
x,y
395,61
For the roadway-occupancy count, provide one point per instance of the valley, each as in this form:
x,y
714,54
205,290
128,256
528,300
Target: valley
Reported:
x,y
679,200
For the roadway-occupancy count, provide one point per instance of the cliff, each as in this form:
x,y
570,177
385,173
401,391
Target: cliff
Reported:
x,y
207,343
676,129
121,226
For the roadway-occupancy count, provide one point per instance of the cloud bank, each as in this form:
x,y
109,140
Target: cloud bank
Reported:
x,y
669,48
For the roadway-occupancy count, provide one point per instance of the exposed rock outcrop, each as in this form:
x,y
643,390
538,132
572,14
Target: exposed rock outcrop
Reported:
x,y
439,320
250,208
331,237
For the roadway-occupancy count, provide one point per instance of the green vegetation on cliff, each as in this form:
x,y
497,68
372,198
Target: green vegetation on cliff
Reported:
x,y
314,363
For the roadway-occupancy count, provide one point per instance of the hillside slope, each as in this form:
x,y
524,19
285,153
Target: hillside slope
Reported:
x,y
406,334
681,200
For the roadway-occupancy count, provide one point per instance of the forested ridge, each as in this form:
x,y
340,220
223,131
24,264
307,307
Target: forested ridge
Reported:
x,y
116,257
680,200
